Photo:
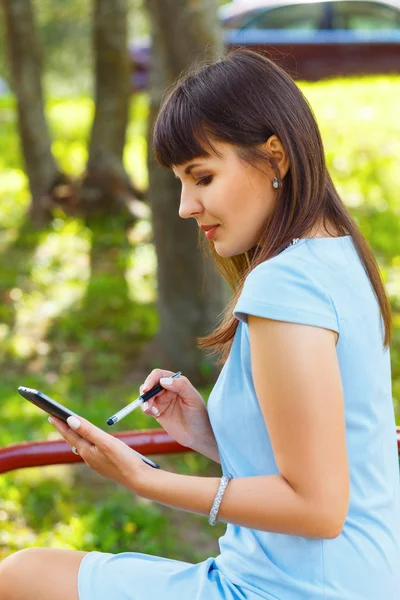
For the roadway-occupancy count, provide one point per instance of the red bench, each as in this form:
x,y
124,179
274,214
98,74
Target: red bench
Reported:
x,y
55,452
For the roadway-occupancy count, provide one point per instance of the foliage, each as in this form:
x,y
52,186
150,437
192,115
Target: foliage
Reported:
x,y
64,30
64,33
46,341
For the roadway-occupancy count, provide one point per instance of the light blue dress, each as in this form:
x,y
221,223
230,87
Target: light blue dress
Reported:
x,y
319,282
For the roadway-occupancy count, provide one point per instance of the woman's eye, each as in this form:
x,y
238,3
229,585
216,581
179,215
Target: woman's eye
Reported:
x,y
205,180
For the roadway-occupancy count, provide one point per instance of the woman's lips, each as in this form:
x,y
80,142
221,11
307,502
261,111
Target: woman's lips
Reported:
x,y
211,232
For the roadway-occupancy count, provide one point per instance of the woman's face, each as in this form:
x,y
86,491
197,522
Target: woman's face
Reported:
x,y
229,193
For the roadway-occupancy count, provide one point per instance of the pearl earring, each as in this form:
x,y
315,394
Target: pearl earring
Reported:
x,y
276,183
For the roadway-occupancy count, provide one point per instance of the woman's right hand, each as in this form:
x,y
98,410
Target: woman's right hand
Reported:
x,y
179,408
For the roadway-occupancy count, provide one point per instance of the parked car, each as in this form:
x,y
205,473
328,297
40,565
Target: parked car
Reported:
x,y
310,39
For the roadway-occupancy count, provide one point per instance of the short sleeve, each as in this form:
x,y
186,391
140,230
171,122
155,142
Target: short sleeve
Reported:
x,y
286,292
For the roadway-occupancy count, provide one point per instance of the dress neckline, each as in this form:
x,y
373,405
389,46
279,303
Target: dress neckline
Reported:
x,y
297,241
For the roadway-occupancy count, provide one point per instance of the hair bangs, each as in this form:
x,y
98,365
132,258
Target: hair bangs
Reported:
x,y
180,133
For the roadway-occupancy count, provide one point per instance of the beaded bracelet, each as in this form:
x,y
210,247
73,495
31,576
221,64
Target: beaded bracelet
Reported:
x,y
212,519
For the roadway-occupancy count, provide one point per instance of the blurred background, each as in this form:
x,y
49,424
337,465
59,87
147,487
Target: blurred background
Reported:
x,y
100,281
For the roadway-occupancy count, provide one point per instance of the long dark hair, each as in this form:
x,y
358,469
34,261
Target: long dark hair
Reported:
x,y
243,99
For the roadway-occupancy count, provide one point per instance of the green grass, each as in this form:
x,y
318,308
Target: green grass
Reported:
x,y
85,355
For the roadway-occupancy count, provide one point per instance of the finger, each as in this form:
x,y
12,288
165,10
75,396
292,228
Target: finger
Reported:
x,y
71,437
176,385
150,409
169,383
88,431
154,378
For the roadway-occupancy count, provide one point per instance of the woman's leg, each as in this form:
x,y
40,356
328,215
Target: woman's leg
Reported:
x,y
40,574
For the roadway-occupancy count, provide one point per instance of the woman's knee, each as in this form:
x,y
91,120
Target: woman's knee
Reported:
x,y
11,569
48,574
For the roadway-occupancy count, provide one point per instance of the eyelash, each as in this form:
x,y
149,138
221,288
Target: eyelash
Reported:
x,y
207,179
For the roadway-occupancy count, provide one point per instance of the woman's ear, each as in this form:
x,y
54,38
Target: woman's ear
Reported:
x,y
274,148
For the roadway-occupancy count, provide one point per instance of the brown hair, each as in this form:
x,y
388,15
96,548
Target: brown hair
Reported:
x,y
243,99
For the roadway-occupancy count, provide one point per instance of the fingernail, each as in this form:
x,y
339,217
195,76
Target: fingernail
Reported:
x,y
166,380
73,422
50,420
155,411
144,387
145,406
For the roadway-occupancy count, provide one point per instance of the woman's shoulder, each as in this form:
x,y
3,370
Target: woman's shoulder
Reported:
x,y
288,287
313,259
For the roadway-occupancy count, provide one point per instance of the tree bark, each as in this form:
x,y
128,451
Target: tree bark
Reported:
x,y
106,186
25,65
191,292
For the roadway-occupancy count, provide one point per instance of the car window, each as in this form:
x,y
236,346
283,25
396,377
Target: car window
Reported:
x,y
239,21
307,16
364,15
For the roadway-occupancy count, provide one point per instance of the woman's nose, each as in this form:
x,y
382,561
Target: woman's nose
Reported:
x,y
189,206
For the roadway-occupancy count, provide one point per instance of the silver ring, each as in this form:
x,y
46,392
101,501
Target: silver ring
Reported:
x,y
74,450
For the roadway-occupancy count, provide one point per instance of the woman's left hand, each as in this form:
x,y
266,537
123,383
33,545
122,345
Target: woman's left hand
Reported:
x,y
102,452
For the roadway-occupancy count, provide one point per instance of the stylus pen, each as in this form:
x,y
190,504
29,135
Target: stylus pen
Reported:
x,y
143,398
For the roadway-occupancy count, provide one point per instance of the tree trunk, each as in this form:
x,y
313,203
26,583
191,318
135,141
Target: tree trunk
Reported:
x,y
106,189
106,186
25,66
191,293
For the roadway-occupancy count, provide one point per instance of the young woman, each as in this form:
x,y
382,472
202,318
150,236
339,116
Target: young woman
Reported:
x,y
301,416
